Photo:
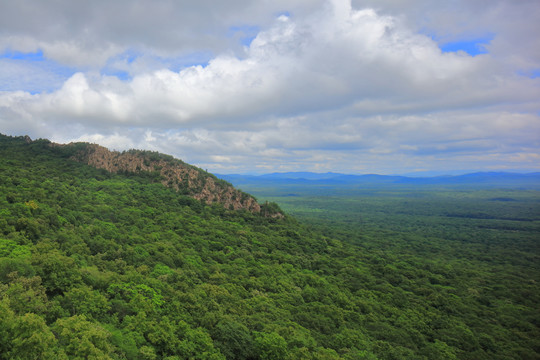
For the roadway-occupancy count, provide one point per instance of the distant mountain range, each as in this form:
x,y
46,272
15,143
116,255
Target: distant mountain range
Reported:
x,y
482,179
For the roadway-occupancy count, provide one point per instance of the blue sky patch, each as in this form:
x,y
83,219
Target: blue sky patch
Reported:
x,y
122,66
120,74
245,33
31,72
113,69
532,74
535,74
179,63
472,47
17,55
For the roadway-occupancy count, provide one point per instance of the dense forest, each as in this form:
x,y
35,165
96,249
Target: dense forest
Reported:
x,y
101,265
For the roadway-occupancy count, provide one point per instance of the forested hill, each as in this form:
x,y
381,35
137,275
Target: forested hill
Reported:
x,y
171,172
111,264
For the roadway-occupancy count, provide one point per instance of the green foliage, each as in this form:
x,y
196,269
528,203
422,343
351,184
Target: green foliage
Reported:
x,y
18,266
136,293
83,300
10,249
271,346
58,272
82,339
234,340
113,266
32,339
7,318
270,208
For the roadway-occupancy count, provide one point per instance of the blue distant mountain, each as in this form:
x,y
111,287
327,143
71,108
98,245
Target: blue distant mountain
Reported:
x,y
478,179
301,175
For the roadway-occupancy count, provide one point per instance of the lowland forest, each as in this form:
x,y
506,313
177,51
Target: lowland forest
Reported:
x,y
137,255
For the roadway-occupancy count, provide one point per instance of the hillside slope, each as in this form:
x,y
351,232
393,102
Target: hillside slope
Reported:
x,y
174,173
97,264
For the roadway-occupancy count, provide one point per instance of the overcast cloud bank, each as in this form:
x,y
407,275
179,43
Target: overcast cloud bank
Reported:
x,y
296,85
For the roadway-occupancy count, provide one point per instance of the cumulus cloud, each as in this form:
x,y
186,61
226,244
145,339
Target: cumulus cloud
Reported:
x,y
87,33
328,85
512,24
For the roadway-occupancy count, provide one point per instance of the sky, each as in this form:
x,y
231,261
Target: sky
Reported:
x,y
245,86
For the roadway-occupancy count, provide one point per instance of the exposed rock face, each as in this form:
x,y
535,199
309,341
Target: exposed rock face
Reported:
x,y
174,173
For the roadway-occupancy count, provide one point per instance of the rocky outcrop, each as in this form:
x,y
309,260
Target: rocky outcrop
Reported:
x,y
173,173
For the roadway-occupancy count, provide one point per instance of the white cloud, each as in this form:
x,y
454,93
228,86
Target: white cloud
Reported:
x,y
331,86
81,33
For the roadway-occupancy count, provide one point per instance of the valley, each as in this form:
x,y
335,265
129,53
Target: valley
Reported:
x,y
115,265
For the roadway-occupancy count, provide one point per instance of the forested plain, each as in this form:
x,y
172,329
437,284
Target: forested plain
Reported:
x,y
95,265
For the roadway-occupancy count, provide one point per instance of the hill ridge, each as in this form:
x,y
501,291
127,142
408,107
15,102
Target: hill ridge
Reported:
x,y
174,174
170,172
